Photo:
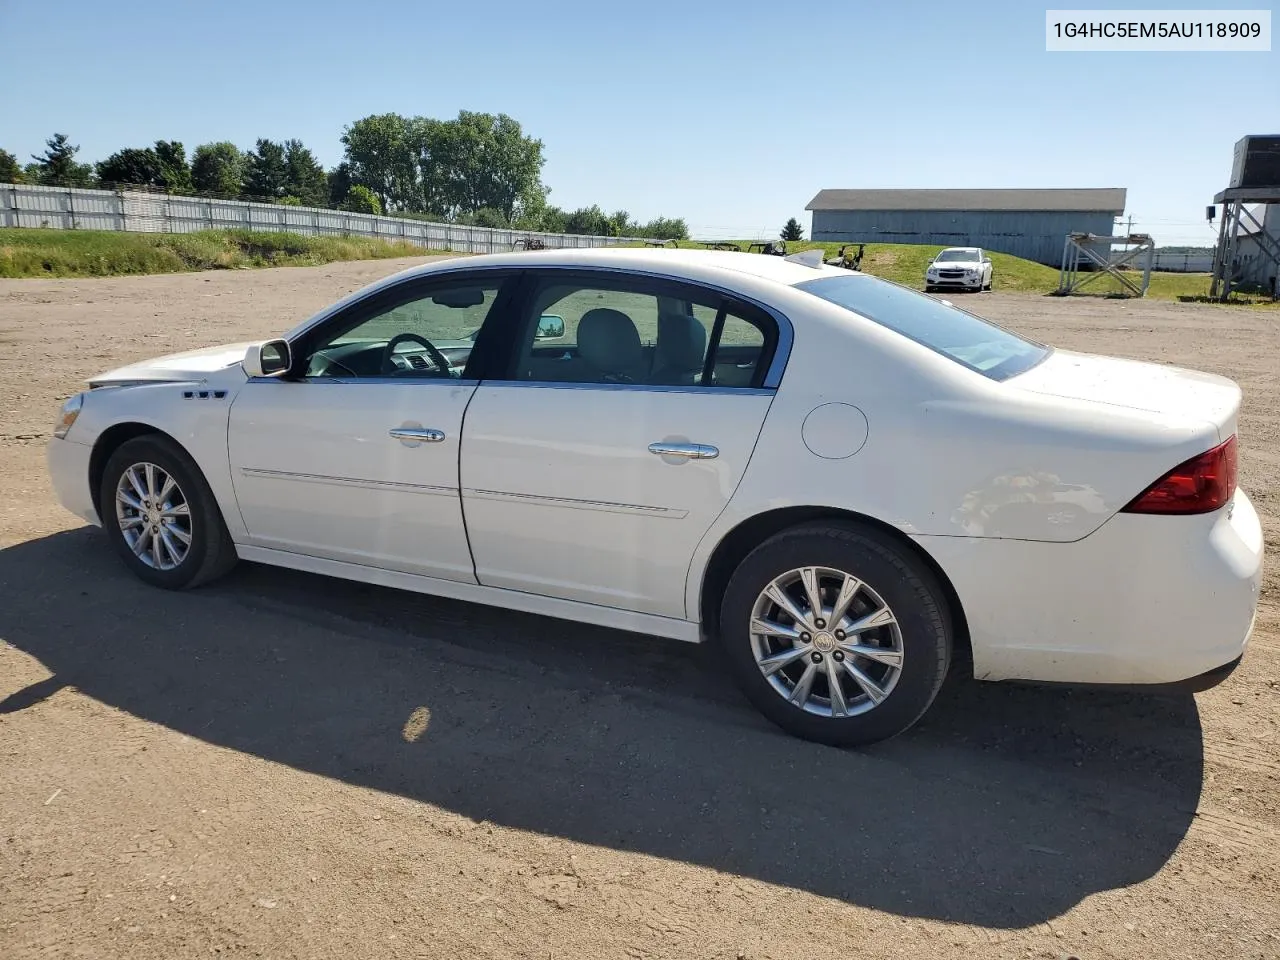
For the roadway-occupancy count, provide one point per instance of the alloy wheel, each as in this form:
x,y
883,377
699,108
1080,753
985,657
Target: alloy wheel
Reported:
x,y
154,516
826,642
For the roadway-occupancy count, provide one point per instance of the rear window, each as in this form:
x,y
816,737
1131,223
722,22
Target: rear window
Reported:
x,y
969,340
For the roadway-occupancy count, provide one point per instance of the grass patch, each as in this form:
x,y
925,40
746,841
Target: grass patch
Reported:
x,y
906,263
30,252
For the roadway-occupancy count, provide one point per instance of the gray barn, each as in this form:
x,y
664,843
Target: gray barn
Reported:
x,y
1026,223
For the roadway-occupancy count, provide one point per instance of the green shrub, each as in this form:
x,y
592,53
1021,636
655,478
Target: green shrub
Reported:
x,y
360,199
93,253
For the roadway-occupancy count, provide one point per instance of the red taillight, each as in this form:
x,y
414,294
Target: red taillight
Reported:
x,y
1201,485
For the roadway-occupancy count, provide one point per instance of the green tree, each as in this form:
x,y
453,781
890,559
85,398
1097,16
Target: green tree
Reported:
x,y
621,224
175,172
266,174
480,160
10,172
380,154
218,169
304,176
548,219
57,166
132,166
360,199
588,220
792,230
339,183
664,228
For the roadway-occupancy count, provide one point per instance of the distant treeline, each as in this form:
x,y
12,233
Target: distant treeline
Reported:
x,y
477,169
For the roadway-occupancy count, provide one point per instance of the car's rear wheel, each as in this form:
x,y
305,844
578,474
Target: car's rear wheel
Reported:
x,y
161,516
836,633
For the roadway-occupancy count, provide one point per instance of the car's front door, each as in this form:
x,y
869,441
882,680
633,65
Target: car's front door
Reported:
x,y
354,457
594,465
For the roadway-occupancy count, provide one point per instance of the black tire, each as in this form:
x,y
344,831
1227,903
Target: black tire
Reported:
x,y
928,289
211,553
902,581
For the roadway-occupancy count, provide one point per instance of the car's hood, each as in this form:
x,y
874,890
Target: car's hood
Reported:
x,y
954,265
191,365
1149,387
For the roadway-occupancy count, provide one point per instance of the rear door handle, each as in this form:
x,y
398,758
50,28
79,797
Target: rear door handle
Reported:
x,y
416,435
690,451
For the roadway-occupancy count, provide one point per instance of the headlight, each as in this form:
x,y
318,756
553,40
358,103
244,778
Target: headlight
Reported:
x,y
70,410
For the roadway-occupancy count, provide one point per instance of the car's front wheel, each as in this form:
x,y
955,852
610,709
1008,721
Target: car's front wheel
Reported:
x,y
161,516
836,633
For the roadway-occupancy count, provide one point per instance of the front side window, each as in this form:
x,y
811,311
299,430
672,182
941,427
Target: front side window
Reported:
x,y
963,337
421,333
640,332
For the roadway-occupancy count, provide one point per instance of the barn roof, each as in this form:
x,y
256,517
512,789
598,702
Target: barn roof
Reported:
x,y
1108,199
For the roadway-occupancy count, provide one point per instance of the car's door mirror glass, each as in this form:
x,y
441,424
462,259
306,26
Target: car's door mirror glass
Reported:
x,y
550,327
270,359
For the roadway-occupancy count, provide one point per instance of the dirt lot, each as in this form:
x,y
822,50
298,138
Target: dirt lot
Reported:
x,y
286,766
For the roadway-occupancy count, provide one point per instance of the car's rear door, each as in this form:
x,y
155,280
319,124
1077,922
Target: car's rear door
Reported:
x,y
592,465
355,457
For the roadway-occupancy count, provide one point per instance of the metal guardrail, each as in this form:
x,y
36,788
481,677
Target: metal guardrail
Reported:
x,y
75,208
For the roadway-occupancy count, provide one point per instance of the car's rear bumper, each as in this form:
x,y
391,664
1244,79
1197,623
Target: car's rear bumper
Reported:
x,y
69,471
1142,600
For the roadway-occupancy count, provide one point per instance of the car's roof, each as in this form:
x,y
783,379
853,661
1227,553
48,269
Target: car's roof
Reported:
x,y
708,266
963,249
655,259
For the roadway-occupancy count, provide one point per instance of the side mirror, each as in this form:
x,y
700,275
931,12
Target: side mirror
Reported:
x,y
550,327
269,359
985,261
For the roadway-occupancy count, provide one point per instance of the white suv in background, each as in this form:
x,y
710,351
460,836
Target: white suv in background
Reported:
x,y
966,268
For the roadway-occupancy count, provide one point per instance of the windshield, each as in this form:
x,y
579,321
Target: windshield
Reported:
x,y
963,337
954,256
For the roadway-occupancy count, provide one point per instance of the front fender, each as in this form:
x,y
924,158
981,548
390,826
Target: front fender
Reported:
x,y
194,413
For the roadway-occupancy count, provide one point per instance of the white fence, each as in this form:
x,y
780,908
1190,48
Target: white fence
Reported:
x,y
1182,262
70,208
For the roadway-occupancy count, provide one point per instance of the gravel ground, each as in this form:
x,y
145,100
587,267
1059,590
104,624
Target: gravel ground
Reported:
x,y
283,765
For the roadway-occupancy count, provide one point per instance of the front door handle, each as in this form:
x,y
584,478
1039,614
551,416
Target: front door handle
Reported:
x,y
690,451
417,434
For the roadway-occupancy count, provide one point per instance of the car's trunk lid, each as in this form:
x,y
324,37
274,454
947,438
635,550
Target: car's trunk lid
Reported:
x,y
1152,387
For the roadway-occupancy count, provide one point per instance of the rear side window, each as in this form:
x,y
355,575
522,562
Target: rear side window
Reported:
x,y
967,339
640,331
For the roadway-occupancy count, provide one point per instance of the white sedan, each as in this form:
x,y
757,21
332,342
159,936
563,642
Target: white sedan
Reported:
x,y
841,482
959,268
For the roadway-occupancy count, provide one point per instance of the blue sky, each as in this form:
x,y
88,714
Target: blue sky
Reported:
x,y
730,114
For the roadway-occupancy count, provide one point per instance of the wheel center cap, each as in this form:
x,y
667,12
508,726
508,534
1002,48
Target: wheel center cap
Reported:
x,y
824,642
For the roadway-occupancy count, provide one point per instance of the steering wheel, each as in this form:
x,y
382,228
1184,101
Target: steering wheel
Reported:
x,y
438,358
